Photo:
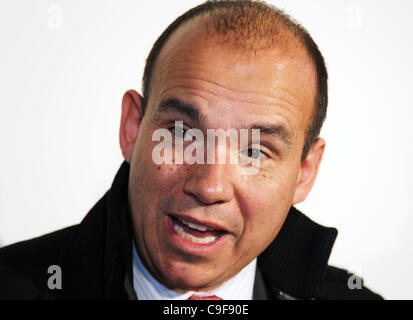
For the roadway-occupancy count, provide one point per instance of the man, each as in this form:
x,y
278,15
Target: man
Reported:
x,y
205,230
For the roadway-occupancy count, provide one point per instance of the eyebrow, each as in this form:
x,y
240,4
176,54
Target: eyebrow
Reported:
x,y
173,104
277,131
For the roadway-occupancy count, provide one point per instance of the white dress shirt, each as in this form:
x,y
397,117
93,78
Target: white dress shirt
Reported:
x,y
239,287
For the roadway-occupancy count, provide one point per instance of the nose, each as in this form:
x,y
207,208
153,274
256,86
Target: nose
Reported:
x,y
210,183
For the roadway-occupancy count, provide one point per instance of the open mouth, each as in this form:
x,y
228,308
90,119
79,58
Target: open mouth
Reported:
x,y
195,232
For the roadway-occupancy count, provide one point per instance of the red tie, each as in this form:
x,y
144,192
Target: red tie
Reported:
x,y
195,297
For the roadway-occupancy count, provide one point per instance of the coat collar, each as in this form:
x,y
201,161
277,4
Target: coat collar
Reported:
x,y
96,262
293,264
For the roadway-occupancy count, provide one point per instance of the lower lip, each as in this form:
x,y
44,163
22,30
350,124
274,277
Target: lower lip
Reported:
x,y
192,247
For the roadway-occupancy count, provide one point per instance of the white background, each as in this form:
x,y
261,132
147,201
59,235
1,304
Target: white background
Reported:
x,y
64,66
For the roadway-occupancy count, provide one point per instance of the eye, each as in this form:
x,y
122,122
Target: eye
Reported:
x,y
254,153
181,132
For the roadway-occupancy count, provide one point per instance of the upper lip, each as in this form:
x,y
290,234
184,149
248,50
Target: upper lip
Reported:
x,y
208,224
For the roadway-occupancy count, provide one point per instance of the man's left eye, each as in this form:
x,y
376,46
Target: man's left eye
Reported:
x,y
255,153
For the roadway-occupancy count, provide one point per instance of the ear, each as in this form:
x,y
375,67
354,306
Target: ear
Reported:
x,y
130,122
308,171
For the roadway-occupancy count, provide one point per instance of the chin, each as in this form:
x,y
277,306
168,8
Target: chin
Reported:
x,y
189,277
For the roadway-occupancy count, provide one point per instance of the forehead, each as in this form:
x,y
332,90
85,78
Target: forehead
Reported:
x,y
265,82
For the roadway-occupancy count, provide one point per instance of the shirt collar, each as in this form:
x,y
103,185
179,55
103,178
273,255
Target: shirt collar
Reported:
x,y
239,287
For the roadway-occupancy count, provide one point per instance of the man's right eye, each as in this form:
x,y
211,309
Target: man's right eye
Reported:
x,y
180,132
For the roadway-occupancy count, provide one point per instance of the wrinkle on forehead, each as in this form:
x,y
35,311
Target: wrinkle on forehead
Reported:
x,y
240,73
227,96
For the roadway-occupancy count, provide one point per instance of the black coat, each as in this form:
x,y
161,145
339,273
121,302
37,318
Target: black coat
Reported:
x,y
95,258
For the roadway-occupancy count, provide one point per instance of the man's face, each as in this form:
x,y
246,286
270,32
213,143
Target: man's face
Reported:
x,y
229,89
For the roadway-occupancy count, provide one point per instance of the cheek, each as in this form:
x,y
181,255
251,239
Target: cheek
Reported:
x,y
153,183
266,202
153,179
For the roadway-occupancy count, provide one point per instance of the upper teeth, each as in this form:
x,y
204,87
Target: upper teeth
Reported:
x,y
195,225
